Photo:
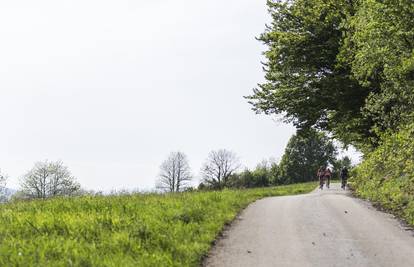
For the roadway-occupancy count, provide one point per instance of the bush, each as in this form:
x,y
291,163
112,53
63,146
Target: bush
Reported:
x,y
386,176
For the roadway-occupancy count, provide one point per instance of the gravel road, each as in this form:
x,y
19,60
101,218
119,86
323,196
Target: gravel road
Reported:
x,y
323,228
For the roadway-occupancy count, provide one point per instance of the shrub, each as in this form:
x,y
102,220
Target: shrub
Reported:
x,y
386,176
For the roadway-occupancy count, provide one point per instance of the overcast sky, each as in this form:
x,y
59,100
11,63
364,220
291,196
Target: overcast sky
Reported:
x,y
111,87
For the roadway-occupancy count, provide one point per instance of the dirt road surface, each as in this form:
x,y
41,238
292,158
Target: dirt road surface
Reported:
x,y
323,228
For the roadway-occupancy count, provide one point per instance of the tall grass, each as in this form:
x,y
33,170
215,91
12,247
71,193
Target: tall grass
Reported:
x,y
130,230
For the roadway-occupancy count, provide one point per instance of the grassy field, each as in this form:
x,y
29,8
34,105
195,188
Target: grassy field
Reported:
x,y
130,230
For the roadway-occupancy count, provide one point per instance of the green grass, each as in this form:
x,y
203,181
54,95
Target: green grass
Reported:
x,y
130,230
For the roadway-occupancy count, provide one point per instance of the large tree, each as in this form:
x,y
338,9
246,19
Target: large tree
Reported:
x,y
49,179
329,64
304,154
175,173
219,167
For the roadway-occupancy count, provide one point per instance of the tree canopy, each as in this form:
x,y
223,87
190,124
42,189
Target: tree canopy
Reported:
x,y
49,179
339,65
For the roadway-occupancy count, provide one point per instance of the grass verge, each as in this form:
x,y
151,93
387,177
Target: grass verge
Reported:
x,y
131,230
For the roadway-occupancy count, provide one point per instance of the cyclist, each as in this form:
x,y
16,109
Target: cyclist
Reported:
x,y
320,174
344,177
327,176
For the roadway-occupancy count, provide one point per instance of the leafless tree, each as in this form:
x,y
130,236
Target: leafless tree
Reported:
x,y
49,179
175,173
219,166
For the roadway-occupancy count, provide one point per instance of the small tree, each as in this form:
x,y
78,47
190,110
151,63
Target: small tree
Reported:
x,y
218,168
49,179
275,174
175,173
304,154
3,190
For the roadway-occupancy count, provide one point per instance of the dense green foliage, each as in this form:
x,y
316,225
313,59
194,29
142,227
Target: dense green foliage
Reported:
x,y
339,65
379,51
131,230
265,174
304,154
387,175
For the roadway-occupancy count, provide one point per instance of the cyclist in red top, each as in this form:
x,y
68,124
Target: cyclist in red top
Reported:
x,y
321,174
327,176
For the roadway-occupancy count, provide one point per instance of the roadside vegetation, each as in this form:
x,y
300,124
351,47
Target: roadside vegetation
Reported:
x,y
386,176
304,154
347,68
174,229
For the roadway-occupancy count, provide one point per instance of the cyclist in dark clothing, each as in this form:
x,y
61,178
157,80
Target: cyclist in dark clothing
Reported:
x,y
344,177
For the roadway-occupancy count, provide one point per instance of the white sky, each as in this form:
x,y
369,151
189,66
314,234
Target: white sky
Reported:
x,y
111,87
